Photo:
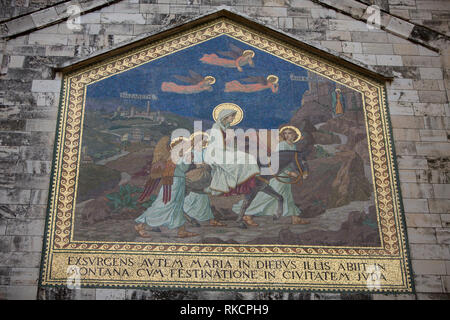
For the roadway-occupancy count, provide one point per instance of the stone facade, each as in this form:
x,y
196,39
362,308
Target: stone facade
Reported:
x,y
412,44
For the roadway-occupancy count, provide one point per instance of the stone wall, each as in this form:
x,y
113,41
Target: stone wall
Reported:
x,y
412,44
433,14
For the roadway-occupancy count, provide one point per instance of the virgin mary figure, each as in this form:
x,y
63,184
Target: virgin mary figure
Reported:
x,y
233,171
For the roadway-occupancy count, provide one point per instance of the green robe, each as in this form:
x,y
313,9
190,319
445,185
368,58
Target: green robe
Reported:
x,y
266,205
334,103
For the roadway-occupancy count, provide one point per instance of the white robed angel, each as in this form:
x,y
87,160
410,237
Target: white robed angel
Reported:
x,y
266,205
167,174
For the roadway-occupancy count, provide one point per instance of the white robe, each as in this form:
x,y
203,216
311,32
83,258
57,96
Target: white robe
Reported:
x,y
230,167
266,205
197,205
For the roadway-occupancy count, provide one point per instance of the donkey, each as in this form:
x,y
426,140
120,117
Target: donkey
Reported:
x,y
286,158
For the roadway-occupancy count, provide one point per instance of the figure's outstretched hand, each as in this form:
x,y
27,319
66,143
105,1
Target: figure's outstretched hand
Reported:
x,y
293,174
305,175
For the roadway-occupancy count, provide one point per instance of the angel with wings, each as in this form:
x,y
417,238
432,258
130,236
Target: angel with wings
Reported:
x,y
239,58
258,84
167,174
197,82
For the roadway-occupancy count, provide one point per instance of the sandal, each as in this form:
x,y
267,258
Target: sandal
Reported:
x,y
249,221
141,232
298,220
215,223
186,234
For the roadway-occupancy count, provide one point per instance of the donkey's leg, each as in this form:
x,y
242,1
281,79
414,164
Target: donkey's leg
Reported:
x,y
246,203
192,221
269,190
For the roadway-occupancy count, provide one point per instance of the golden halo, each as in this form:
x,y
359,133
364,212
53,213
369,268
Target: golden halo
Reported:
x,y
272,76
228,105
248,51
337,90
210,78
176,140
203,133
299,134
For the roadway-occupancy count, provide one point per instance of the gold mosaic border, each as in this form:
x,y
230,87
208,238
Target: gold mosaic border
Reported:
x,y
64,182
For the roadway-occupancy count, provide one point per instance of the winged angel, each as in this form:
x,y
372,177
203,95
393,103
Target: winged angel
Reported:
x,y
197,82
239,58
257,84
168,174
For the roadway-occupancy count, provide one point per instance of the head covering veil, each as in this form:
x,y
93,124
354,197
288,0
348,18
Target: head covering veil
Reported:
x,y
222,115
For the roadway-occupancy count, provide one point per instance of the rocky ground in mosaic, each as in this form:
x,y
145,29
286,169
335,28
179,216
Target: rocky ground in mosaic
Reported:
x,y
349,225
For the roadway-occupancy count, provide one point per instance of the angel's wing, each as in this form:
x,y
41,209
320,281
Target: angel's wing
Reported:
x,y
197,77
194,77
234,53
161,155
236,49
229,54
261,80
162,150
185,79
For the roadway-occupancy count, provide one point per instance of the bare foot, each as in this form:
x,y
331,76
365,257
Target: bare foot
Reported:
x,y
186,234
298,220
249,221
141,232
215,223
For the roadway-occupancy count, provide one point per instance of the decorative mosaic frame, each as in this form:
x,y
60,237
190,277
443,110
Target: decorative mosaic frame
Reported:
x,y
59,245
